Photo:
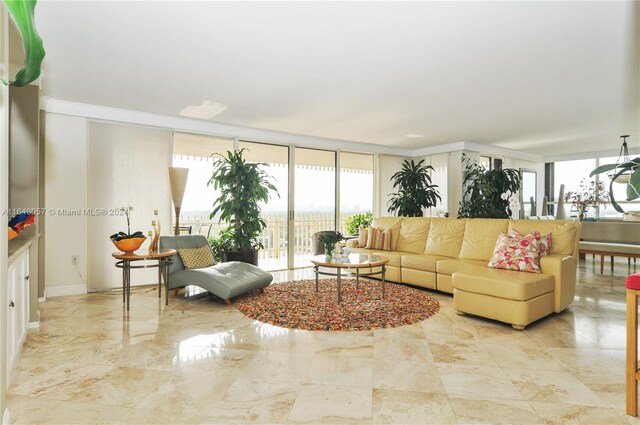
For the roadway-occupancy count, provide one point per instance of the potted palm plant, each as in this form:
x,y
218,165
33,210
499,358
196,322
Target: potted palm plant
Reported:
x,y
242,185
414,190
488,193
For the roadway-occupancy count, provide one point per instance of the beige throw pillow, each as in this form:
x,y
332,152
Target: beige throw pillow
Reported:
x,y
379,239
196,258
363,233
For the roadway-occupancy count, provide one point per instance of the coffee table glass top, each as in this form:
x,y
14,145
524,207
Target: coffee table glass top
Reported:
x,y
352,260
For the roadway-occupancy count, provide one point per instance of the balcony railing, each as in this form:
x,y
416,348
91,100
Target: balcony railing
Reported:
x,y
274,236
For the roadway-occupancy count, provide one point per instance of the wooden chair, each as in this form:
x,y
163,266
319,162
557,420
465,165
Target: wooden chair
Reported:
x,y
633,290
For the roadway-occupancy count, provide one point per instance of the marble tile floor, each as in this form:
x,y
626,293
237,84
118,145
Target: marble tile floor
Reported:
x,y
200,361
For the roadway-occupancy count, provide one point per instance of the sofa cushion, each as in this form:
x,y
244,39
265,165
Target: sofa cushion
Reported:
x,y
389,223
379,239
181,241
503,283
480,235
520,253
544,241
363,234
423,262
562,232
445,237
358,250
413,234
395,257
451,265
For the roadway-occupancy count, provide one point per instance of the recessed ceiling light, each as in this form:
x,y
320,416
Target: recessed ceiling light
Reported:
x,y
414,136
206,111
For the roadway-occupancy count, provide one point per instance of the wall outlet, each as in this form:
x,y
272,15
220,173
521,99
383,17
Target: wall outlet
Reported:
x,y
75,260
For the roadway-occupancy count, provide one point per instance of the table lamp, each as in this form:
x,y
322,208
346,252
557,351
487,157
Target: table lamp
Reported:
x,y
178,182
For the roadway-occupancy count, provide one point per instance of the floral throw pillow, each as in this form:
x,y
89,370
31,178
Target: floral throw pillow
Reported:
x,y
520,253
544,241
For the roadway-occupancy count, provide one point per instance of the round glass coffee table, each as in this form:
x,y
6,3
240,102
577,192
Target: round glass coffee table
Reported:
x,y
352,261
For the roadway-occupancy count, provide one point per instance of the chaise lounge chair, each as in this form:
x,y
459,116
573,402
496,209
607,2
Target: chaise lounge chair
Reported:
x,y
225,280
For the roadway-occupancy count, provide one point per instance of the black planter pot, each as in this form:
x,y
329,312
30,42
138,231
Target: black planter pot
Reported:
x,y
248,256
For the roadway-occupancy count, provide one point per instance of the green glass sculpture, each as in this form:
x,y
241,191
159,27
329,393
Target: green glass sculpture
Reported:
x,y
22,13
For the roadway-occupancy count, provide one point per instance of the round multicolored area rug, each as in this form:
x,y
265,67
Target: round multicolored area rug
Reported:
x,y
297,305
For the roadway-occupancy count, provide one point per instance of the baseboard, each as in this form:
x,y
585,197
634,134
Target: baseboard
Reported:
x,y
64,290
42,299
6,418
33,325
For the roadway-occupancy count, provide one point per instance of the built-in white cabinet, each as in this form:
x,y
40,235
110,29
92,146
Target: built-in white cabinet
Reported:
x,y
18,308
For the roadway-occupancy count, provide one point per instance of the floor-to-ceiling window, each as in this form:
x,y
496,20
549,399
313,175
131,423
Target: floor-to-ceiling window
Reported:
x,y
314,200
572,173
356,186
619,192
195,153
273,255
292,217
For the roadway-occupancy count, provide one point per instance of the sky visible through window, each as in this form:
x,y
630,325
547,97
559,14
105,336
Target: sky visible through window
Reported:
x,y
311,188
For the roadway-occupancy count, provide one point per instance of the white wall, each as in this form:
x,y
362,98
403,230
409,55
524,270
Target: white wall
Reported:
x,y
95,164
127,166
65,188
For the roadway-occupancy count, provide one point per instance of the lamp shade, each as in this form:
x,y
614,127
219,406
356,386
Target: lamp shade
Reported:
x,y
178,180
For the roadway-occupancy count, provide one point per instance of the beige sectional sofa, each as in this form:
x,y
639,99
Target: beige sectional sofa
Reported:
x,y
451,255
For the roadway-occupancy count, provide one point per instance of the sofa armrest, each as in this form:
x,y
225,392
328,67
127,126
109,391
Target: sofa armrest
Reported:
x,y
352,243
563,269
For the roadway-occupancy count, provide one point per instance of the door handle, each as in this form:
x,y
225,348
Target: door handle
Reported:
x,y
12,304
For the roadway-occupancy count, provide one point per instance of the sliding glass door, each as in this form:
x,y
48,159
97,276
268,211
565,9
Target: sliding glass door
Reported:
x,y
273,256
356,186
306,203
314,199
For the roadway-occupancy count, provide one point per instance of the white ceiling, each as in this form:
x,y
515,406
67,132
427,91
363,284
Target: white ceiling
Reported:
x,y
541,77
